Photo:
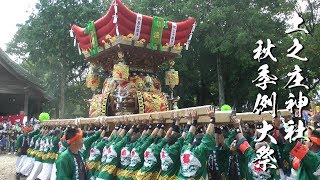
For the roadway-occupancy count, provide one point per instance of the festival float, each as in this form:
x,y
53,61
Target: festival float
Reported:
x,y
130,47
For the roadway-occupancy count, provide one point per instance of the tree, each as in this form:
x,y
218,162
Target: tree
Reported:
x,y
44,44
220,55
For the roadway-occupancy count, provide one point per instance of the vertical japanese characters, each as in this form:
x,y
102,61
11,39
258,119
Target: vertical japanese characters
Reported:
x,y
295,102
264,78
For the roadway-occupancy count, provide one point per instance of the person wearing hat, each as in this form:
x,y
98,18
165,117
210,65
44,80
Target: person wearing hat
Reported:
x,y
70,164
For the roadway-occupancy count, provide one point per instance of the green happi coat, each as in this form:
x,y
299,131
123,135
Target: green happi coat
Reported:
x,y
53,149
194,159
281,153
309,161
250,155
136,160
218,159
66,166
126,156
111,163
46,148
125,159
87,142
152,163
31,137
37,148
93,162
63,145
170,158
19,143
308,165
35,145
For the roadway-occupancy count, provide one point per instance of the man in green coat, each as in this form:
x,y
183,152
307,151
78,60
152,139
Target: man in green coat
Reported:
x,y
70,164
309,157
22,146
137,154
256,170
87,142
110,164
194,157
28,164
152,163
169,155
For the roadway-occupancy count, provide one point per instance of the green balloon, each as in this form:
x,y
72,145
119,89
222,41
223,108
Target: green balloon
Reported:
x,y
44,116
226,107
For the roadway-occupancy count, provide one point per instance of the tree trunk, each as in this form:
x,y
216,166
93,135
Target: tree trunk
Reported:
x,y
62,90
220,82
57,109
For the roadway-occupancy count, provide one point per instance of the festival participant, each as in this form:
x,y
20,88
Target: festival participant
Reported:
x,y
254,172
51,148
194,157
169,155
22,147
62,146
137,153
93,162
152,163
110,164
281,151
39,156
28,165
87,142
125,151
309,157
218,167
70,164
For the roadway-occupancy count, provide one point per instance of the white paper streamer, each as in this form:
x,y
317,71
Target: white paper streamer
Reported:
x,y
115,19
117,31
173,34
79,50
74,42
190,36
71,33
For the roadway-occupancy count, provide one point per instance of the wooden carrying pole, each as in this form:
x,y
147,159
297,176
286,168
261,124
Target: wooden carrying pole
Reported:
x,y
222,117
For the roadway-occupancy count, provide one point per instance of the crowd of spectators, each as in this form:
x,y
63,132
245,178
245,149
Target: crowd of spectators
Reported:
x,y
9,134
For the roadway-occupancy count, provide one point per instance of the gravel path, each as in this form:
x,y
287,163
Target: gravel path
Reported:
x,y
7,166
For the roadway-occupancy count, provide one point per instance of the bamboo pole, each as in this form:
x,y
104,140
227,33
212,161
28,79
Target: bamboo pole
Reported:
x,y
222,117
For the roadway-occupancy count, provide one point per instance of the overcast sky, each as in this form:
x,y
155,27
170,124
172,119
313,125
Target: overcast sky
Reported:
x,y
13,12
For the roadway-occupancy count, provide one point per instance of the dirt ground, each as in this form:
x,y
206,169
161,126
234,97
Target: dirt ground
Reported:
x,y
7,166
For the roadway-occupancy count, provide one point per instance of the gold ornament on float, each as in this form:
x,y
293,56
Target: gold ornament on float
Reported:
x,y
120,72
92,81
172,78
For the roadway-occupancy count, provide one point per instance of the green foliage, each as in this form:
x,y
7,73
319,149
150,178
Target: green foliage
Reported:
x,y
228,29
47,51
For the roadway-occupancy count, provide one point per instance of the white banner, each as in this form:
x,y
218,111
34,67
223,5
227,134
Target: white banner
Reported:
x,y
137,29
173,34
